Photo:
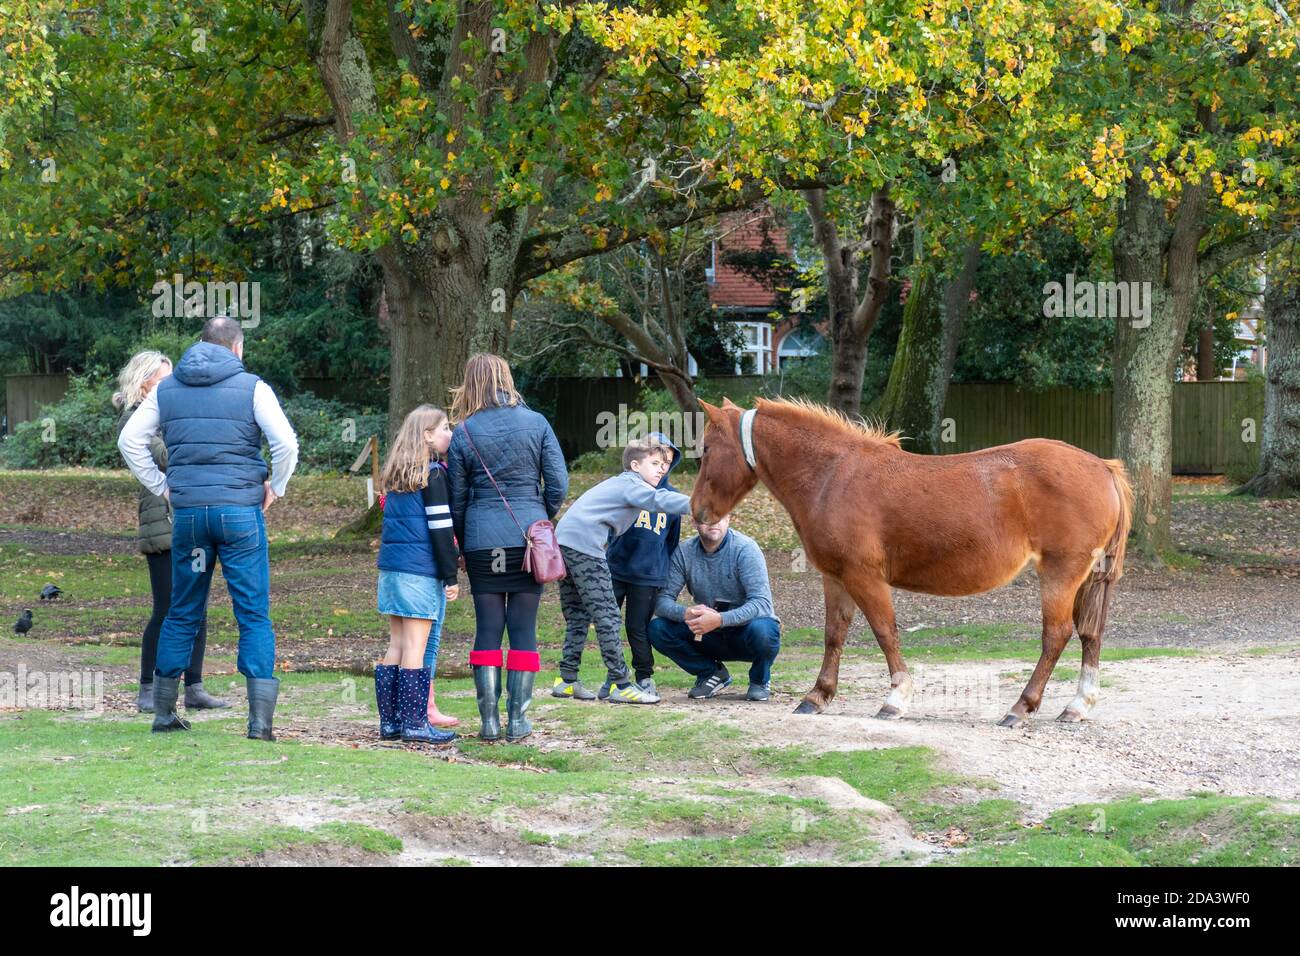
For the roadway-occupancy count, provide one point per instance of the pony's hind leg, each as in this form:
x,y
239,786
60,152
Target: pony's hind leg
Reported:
x,y
1059,581
872,595
1090,608
839,615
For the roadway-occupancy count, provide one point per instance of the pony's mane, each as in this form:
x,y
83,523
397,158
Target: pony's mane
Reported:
x,y
814,412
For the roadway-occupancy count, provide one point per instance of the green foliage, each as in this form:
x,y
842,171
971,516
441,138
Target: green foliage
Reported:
x,y
602,461
83,432
1007,338
330,433
78,430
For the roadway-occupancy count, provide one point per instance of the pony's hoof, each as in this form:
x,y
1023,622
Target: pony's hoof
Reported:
x,y
889,712
1069,716
1011,720
807,707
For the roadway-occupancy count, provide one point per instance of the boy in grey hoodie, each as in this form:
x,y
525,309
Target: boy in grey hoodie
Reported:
x,y
587,592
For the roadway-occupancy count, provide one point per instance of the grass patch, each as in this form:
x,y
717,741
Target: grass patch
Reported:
x,y
1197,831
1181,560
104,791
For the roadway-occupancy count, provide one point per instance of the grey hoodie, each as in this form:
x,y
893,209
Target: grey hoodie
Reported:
x,y
610,508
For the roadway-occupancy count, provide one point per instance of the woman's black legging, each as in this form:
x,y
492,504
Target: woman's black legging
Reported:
x,y
496,614
160,583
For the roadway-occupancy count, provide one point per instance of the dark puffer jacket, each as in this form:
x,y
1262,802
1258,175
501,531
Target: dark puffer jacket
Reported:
x,y
520,447
155,534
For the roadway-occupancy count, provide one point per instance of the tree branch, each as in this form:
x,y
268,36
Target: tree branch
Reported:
x,y
1223,254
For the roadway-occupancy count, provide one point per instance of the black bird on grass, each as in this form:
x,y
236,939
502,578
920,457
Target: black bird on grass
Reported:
x,y
24,622
51,592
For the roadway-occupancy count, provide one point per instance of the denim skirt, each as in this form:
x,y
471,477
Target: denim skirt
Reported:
x,y
410,595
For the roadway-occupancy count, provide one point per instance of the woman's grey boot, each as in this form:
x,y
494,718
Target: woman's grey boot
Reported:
x,y
165,717
487,688
519,694
262,692
144,700
198,698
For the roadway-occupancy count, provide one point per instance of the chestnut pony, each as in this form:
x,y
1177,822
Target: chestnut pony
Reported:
x,y
872,516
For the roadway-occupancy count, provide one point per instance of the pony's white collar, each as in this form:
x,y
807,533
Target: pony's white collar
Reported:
x,y
747,435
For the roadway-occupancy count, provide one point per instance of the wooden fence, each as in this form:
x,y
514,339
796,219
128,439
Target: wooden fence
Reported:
x,y
1213,422
25,394
1208,430
1216,425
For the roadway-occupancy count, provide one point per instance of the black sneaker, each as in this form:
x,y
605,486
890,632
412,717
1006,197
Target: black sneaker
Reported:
x,y
709,684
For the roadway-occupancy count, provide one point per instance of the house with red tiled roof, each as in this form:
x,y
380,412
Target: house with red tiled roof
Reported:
x,y
772,333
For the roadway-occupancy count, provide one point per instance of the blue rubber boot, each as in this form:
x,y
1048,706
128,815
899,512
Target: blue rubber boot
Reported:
x,y
390,722
413,702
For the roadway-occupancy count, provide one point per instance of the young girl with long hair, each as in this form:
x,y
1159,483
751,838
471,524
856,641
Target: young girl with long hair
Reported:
x,y
417,576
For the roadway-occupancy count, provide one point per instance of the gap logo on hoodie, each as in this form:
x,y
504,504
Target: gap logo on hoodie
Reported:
x,y
656,524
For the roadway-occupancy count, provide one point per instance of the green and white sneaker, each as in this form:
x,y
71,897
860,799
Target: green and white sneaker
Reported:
x,y
648,685
570,690
631,694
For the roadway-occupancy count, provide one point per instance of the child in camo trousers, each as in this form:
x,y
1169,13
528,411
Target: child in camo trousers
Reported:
x,y
587,592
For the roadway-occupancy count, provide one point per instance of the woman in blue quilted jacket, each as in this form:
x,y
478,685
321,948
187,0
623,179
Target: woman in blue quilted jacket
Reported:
x,y
496,432
417,574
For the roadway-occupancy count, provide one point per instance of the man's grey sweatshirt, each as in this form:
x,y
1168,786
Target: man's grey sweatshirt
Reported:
x,y
607,510
736,573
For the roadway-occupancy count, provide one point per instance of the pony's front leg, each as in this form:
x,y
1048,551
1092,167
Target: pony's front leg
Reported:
x,y
872,595
839,615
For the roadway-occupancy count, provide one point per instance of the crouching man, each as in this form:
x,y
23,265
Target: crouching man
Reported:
x,y
732,618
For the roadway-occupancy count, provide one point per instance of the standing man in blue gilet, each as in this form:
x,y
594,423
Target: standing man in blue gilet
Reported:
x,y
212,416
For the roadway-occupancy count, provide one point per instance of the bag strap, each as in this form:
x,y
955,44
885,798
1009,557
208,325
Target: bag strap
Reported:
x,y
478,455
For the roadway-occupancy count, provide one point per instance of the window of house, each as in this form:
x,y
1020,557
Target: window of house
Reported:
x,y
799,344
756,352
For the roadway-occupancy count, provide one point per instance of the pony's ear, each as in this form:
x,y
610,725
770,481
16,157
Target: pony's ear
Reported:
x,y
728,403
711,410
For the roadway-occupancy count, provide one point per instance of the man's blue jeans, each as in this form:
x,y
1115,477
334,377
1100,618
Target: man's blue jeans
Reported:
x,y
235,536
758,641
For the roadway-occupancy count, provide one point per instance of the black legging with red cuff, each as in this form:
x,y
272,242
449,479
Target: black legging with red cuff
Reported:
x,y
496,615
160,583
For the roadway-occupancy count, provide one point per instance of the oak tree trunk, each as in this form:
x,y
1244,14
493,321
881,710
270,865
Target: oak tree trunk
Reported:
x,y
927,349
848,347
852,314
1162,258
680,387
1279,453
1205,370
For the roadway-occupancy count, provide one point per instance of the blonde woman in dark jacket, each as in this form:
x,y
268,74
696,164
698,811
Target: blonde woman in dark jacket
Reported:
x,y
136,380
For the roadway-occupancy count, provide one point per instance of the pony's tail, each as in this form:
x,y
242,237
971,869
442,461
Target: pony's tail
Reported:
x,y
1092,600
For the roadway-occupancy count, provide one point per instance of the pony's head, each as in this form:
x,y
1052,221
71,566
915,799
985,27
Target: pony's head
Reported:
x,y
724,477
